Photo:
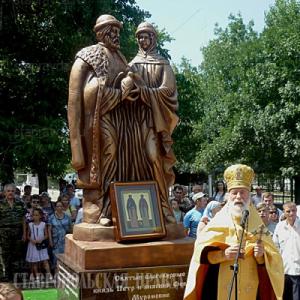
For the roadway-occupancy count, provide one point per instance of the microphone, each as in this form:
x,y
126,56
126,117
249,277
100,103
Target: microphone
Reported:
x,y
245,216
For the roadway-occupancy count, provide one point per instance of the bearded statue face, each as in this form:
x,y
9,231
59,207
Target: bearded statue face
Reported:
x,y
239,199
110,37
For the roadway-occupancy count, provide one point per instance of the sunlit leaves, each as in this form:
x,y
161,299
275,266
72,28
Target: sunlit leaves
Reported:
x,y
39,40
251,95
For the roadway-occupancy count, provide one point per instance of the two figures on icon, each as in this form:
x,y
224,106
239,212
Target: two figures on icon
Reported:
x,y
132,212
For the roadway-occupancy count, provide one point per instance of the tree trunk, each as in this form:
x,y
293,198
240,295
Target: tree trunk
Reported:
x,y
6,168
297,189
43,181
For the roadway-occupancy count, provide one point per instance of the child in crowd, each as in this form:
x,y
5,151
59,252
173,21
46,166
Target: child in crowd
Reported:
x,y
178,214
35,203
37,249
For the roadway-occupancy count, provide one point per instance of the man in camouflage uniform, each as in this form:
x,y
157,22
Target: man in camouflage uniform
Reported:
x,y
12,214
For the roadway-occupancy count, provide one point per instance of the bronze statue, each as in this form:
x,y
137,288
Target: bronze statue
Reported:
x,y
93,113
155,105
120,118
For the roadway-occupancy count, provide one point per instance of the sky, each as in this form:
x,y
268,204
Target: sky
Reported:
x,y
191,22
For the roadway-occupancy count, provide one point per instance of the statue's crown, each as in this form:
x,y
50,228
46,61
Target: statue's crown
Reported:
x,y
239,176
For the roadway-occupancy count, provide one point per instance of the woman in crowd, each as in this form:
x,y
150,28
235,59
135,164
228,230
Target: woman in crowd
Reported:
x,y
35,203
59,225
46,204
70,210
220,191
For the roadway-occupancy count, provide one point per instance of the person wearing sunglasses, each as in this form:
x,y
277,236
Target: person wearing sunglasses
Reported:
x,y
273,214
35,203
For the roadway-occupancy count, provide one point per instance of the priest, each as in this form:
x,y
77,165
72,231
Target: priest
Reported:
x,y
260,274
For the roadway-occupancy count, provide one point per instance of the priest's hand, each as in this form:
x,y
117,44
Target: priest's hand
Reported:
x,y
231,252
259,249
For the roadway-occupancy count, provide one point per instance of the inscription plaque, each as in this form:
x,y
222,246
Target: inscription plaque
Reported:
x,y
165,282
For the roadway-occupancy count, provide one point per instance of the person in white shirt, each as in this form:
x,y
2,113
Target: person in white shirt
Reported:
x,y
257,197
287,238
79,216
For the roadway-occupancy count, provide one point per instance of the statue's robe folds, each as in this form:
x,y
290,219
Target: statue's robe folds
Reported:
x,y
94,120
209,275
151,120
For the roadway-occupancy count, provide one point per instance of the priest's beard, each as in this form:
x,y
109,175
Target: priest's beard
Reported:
x,y
236,208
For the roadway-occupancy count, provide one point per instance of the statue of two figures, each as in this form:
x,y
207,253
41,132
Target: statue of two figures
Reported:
x,y
121,118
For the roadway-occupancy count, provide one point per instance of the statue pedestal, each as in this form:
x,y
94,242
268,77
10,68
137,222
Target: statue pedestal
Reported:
x,y
93,232
110,270
96,232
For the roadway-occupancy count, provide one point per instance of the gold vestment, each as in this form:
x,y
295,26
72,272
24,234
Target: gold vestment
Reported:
x,y
222,232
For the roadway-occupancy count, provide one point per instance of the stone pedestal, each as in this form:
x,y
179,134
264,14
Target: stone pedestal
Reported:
x,y
93,232
96,232
110,270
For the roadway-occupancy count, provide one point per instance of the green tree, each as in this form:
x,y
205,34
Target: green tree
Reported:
x,y
251,94
275,87
39,40
190,98
223,71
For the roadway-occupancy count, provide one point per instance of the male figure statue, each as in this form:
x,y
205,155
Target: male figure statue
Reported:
x,y
95,95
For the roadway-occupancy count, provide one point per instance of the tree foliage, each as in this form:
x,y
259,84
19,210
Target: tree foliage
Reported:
x,y
249,92
190,109
39,40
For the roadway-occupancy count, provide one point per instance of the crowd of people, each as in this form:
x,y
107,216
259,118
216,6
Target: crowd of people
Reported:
x,y
192,209
33,230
